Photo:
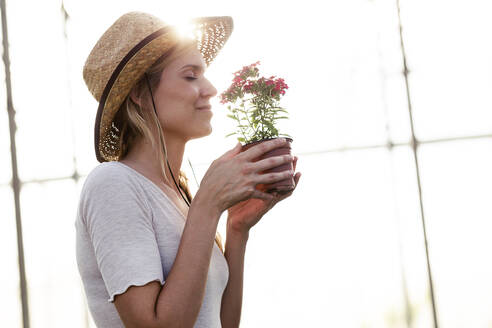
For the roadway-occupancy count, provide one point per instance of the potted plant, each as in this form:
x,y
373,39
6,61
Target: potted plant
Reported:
x,y
253,104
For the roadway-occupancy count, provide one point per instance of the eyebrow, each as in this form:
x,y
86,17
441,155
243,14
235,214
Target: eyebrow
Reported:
x,y
196,67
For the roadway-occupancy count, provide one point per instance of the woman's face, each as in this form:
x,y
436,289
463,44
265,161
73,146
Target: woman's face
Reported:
x,y
182,90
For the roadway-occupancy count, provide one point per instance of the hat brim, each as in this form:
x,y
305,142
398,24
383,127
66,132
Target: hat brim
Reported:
x,y
213,33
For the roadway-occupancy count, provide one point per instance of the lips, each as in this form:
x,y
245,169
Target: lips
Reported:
x,y
205,107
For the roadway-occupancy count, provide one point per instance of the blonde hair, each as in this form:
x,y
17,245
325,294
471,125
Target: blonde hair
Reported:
x,y
138,121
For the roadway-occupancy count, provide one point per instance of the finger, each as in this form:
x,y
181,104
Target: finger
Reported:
x,y
263,147
294,163
283,196
277,197
272,177
232,152
262,195
296,179
271,162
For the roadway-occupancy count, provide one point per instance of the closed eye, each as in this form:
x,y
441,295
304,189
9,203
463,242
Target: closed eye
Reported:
x,y
190,78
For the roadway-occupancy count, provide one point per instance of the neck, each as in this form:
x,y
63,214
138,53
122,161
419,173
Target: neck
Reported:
x,y
146,160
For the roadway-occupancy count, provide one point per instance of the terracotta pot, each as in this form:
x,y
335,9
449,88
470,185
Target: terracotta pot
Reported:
x,y
283,186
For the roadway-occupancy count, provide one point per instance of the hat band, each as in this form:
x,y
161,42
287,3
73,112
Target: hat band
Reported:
x,y
113,78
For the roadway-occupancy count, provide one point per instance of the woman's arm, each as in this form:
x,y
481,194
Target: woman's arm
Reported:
x,y
178,302
230,179
235,249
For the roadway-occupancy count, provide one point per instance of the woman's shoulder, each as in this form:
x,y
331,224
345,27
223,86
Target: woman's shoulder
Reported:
x,y
106,170
108,175
112,182
112,168
111,188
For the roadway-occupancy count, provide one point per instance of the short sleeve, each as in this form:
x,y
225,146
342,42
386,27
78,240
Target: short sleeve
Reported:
x,y
119,223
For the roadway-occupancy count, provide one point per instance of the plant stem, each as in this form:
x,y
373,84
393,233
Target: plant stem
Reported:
x,y
240,128
251,125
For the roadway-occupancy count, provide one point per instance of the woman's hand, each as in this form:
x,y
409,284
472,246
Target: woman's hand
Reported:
x,y
232,178
244,215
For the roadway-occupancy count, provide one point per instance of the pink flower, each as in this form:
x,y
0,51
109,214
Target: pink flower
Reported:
x,y
247,80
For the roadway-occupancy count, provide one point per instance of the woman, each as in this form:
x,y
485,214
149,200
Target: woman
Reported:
x,y
145,252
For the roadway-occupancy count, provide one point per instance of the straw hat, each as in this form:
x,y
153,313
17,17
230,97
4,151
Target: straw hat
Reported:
x,y
122,55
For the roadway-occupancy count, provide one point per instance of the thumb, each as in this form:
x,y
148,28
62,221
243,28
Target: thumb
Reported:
x,y
234,151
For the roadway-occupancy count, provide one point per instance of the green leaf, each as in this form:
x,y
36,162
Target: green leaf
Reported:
x,y
232,116
230,134
240,139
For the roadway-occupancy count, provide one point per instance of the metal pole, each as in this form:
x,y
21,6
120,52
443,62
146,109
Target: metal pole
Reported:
x,y
15,177
415,144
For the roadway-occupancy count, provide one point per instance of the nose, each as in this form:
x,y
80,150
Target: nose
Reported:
x,y
208,89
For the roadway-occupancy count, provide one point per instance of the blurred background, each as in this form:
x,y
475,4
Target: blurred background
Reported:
x,y
392,123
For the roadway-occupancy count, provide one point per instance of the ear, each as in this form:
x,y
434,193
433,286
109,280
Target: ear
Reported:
x,y
134,97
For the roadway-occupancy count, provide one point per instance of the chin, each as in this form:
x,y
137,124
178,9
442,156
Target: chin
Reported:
x,y
204,133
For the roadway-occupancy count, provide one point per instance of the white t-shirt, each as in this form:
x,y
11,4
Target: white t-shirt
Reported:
x,y
128,233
